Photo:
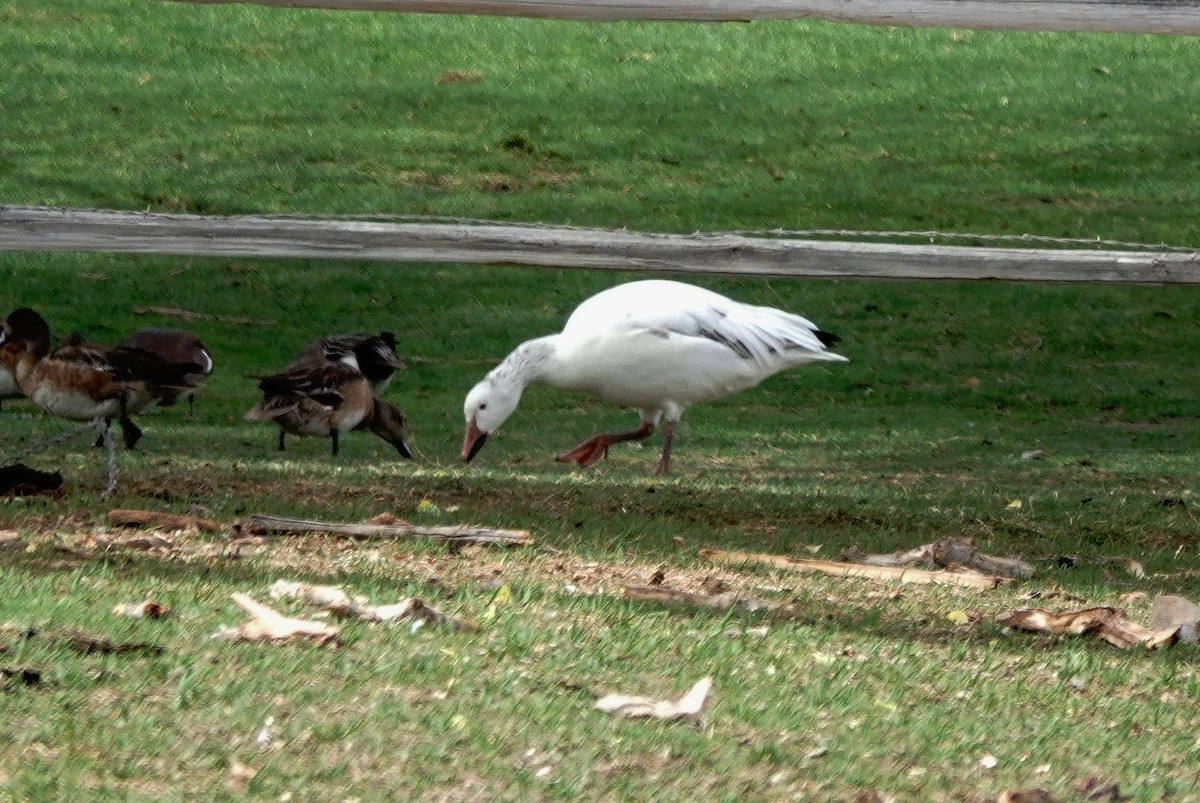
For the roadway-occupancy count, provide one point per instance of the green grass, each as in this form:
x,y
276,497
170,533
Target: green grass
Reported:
x,y
656,127
652,126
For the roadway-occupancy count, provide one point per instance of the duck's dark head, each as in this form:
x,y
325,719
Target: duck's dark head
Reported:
x,y
26,330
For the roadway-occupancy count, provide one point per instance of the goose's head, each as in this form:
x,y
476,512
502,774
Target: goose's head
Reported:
x,y
488,405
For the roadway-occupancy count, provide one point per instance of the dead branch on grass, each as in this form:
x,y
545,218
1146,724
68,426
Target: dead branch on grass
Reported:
x,y
462,534
335,600
839,569
1109,624
948,553
722,602
162,521
267,624
82,642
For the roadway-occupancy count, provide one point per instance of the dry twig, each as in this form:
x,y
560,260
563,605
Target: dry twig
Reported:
x,y
723,602
838,569
189,315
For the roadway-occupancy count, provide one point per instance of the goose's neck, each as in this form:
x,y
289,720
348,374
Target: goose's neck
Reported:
x,y
531,362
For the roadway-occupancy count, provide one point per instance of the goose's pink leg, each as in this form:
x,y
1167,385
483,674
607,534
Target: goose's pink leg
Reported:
x,y
664,462
596,447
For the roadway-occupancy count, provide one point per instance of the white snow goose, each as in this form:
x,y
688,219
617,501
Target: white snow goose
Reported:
x,y
656,346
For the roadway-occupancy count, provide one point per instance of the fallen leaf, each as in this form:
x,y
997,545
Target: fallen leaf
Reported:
x,y
240,776
689,707
958,617
1014,504
988,762
1175,613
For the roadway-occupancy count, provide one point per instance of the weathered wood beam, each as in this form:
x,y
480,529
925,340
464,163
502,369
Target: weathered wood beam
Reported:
x,y
39,229
461,534
1120,16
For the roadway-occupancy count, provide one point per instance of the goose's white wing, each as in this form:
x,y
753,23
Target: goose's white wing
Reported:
x,y
763,335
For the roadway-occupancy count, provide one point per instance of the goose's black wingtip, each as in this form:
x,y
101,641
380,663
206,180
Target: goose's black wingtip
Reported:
x,y
828,339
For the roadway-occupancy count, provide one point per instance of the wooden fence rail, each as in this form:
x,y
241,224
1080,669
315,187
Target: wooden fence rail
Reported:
x,y
1121,16
41,229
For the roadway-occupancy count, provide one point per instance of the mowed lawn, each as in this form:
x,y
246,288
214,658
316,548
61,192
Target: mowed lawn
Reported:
x,y
1043,421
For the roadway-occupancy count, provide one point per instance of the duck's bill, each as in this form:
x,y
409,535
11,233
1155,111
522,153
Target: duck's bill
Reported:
x,y
473,442
402,448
